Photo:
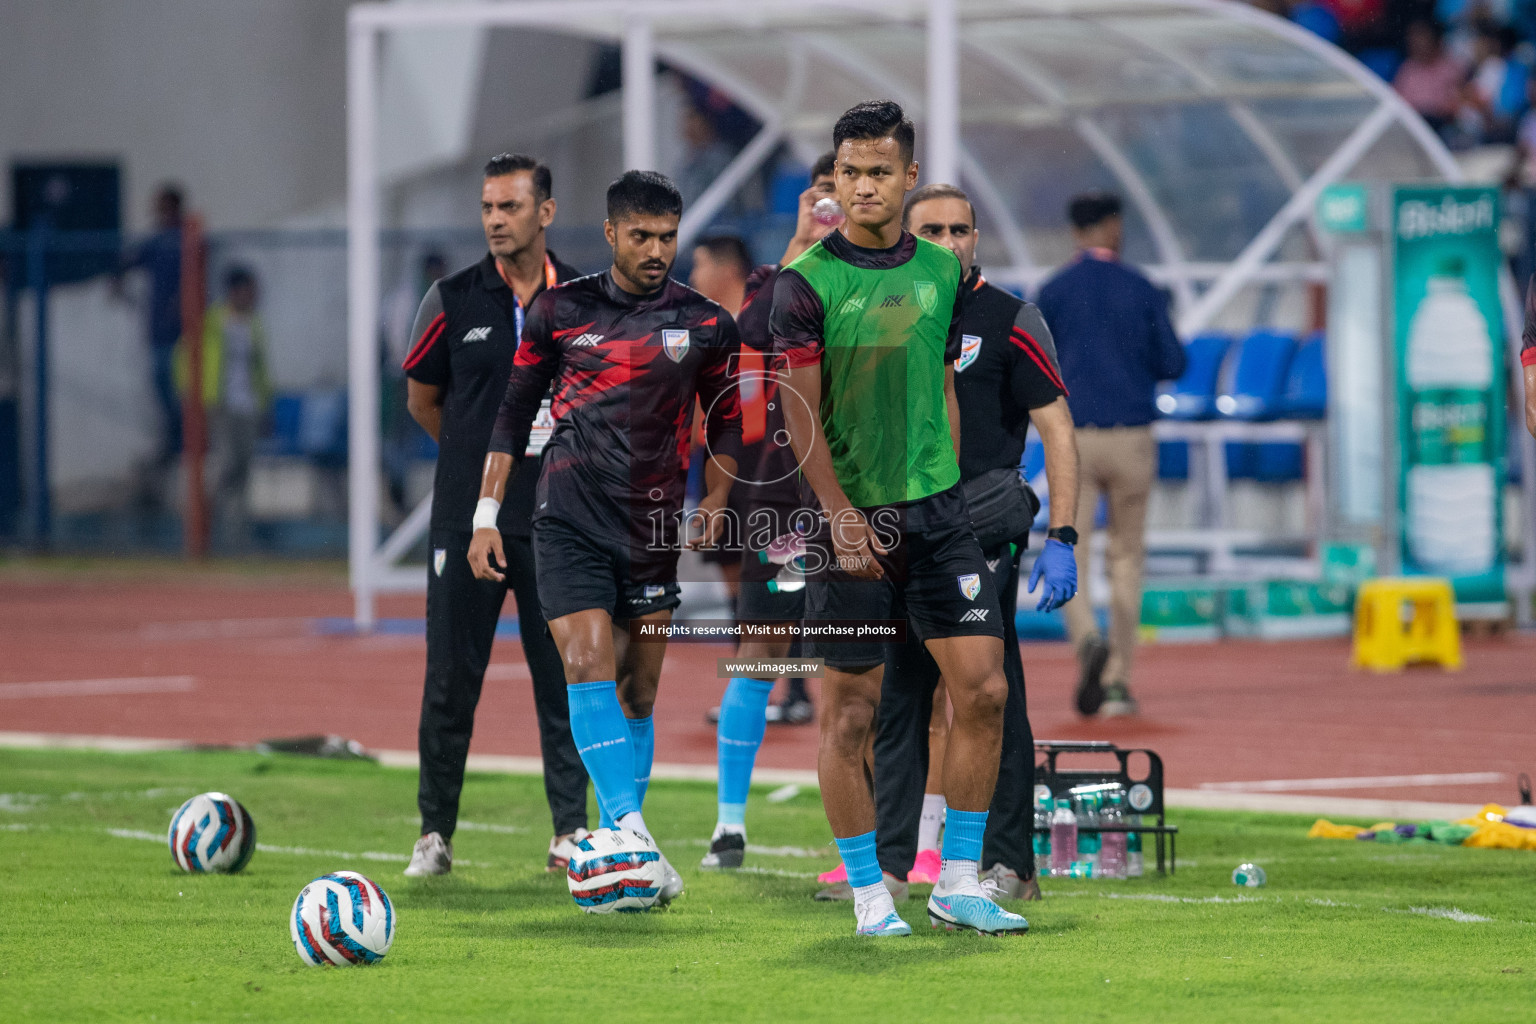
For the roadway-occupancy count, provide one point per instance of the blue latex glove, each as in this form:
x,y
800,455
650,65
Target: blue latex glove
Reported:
x,y
1058,566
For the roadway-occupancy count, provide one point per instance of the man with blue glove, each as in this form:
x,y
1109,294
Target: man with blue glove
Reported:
x,y
1005,379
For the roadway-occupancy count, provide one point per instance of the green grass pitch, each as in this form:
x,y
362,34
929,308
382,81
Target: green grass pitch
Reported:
x,y
97,924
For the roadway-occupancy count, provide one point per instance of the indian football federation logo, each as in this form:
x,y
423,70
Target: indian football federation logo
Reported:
x,y
439,559
970,585
675,343
970,348
927,295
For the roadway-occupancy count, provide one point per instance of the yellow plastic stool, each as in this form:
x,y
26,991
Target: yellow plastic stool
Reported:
x,y
1385,642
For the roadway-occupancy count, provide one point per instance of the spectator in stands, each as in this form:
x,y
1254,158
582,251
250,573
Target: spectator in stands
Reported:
x,y
1115,342
1430,79
1495,94
1316,17
236,395
159,256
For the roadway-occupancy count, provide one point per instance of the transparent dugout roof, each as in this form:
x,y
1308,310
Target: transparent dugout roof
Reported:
x,y
1207,116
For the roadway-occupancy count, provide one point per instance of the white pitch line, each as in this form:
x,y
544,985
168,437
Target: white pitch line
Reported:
x,y
97,687
1358,782
297,851
1451,914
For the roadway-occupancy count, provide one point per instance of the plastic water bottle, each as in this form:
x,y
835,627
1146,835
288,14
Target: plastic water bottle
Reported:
x,y
1063,838
1112,848
1450,515
1088,843
1042,834
1133,862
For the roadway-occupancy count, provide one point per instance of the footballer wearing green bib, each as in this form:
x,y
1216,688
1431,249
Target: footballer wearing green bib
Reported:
x,y
867,323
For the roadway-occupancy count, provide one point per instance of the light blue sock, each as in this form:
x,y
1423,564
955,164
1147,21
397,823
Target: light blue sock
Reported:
x,y
603,741
743,720
642,739
859,858
962,834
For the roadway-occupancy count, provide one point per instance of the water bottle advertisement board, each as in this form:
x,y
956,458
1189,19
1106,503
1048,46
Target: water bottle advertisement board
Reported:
x,y
1448,346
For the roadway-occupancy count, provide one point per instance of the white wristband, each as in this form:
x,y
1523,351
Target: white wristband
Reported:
x,y
486,510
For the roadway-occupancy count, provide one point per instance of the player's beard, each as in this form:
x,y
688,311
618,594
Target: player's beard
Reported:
x,y
633,271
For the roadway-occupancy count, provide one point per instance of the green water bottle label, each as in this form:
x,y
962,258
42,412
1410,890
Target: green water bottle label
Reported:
x,y
1449,426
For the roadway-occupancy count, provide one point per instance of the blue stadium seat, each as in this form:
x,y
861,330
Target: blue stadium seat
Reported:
x,y
1258,377
1173,460
1193,396
323,426
1276,461
1306,382
287,409
1032,464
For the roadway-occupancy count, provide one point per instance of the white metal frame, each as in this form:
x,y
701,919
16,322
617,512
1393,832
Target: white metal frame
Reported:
x,y
630,22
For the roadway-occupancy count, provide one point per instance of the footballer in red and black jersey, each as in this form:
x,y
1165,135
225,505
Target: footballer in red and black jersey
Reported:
x,y
626,369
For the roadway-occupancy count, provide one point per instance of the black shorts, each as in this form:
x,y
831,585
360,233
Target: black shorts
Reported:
x,y
935,577
582,569
758,602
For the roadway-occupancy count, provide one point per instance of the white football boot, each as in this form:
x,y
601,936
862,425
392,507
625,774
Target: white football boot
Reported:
x,y
671,883
562,849
433,855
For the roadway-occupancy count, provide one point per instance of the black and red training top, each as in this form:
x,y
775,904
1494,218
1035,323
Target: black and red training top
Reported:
x,y
626,370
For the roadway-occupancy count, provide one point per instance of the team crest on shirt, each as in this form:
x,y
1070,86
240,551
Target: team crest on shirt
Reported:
x,y
927,295
970,585
439,559
970,348
675,343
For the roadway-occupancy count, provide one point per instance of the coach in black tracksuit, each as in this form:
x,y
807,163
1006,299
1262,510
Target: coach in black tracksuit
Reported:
x,y
466,336
1006,377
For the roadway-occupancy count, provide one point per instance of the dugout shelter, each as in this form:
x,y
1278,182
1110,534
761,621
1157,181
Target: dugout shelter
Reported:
x,y
1220,125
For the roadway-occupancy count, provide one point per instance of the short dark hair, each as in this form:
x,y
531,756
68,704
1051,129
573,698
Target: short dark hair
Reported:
x,y
511,163
729,249
875,119
643,192
237,276
937,190
1090,208
823,165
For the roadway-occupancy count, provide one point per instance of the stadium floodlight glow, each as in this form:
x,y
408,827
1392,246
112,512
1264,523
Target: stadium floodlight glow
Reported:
x,y
795,64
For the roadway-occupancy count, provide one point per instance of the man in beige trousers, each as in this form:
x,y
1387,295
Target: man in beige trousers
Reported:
x,y
1115,342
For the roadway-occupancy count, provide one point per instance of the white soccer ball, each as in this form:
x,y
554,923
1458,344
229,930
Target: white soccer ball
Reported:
x,y
211,832
615,869
342,919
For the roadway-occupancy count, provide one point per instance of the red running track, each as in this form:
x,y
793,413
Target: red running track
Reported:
x,y
258,668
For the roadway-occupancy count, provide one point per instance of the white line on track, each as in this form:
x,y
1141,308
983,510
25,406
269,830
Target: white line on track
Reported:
x,y
1358,782
97,687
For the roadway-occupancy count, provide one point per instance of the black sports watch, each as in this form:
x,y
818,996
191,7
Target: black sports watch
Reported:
x,y
1065,534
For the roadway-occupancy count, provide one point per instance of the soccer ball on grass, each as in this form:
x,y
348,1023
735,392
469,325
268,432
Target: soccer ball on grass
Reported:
x,y
211,833
342,918
614,869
